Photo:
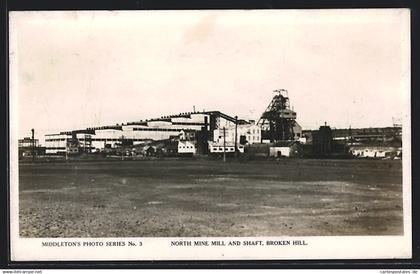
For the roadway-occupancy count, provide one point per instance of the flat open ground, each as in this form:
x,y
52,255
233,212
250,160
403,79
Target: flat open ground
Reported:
x,y
188,197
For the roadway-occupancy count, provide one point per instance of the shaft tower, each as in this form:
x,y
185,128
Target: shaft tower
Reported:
x,y
278,120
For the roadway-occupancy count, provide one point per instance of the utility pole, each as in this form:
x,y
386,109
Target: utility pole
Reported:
x,y
236,136
67,149
224,144
122,148
350,135
32,138
33,144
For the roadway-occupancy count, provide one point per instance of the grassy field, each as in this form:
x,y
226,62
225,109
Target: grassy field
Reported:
x,y
187,197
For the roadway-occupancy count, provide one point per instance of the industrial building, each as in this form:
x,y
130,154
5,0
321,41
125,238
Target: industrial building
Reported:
x,y
387,147
29,146
383,151
245,134
276,134
360,134
28,142
193,130
354,142
206,132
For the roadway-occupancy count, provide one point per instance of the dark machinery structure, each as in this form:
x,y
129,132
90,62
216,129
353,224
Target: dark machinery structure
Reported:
x,y
278,119
322,141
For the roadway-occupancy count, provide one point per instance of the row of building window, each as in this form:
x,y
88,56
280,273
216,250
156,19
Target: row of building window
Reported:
x,y
156,129
136,129
221,149
99,139
255,138
188,124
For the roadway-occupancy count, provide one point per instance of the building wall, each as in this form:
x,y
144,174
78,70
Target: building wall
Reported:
x,y
153,130
60,143
215,147
192,121
56,143
297,130
140,132
293,150
279,151
28,142
373,152
252,134
187,147
223,123
104,137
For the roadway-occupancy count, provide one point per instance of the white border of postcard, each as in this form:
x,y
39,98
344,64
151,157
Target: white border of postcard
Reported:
x,y
325,247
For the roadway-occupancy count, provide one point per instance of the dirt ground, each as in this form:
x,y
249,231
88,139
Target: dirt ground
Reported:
x,y
187,197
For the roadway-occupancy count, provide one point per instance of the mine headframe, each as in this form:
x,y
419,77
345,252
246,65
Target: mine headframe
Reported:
x,y
278,120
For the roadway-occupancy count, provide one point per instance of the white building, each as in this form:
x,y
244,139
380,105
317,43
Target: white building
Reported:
x,y
217,147
374,152
286,149
106,138
187,147
297,131
56,143
135,133
64,142
248,133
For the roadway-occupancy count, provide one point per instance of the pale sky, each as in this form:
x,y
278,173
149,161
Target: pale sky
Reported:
x,y
72,70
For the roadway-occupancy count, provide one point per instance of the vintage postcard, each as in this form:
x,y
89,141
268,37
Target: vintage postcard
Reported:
x,y
210,135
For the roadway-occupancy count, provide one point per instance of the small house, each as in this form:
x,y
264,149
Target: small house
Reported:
x,y
286,149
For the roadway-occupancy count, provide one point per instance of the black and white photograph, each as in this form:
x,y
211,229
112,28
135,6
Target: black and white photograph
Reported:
x,y
223,134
